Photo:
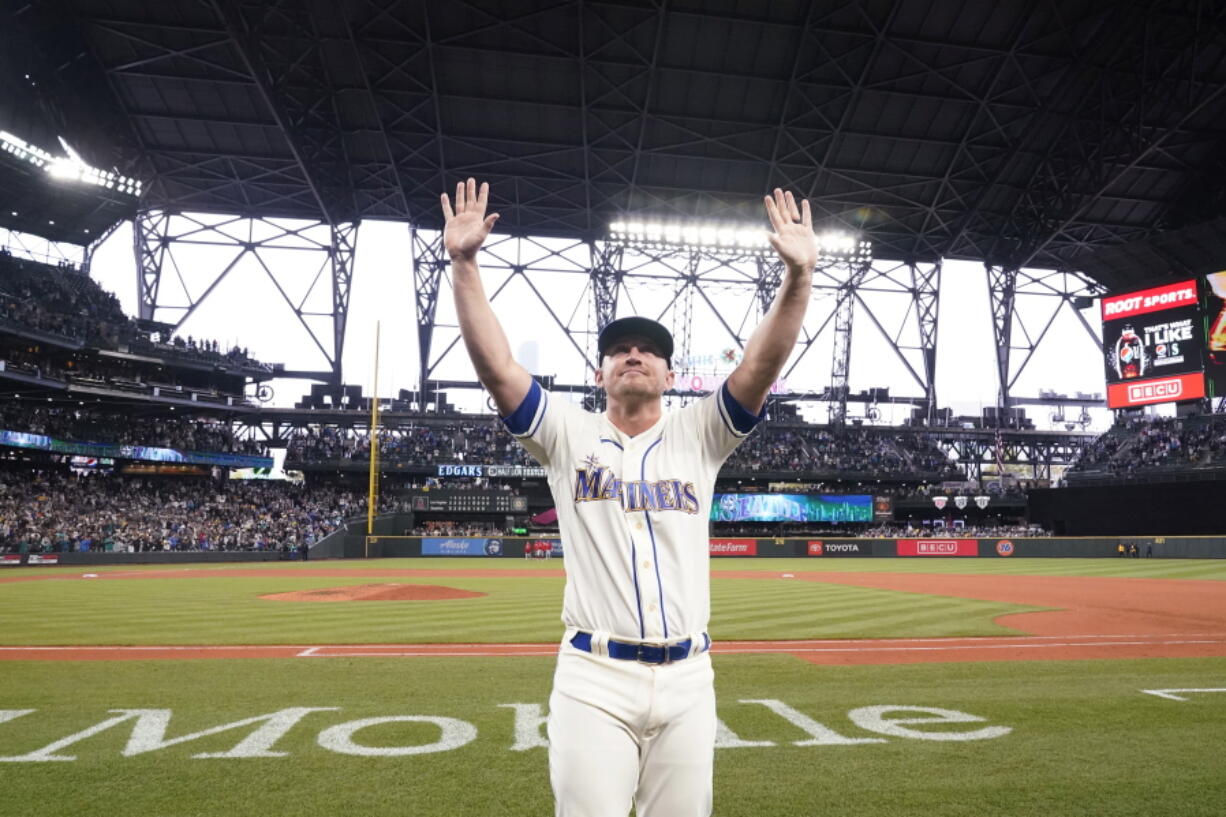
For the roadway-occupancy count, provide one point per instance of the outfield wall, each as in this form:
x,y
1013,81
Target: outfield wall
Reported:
x,y
1183,547
151,557
352,545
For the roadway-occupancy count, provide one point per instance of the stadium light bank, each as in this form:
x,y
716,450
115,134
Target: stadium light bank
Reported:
x,y
722,239
70,167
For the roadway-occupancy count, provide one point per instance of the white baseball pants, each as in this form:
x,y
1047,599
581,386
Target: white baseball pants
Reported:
x,y
623,733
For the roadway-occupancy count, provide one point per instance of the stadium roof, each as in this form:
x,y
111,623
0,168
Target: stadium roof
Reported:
x,y
1028,133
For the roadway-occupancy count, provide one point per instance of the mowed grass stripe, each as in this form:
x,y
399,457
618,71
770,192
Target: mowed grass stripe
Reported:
x,y
1082,741
229,611
788,609
523,606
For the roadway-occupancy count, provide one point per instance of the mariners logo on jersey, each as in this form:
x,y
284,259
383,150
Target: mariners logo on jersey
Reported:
x,y
595,482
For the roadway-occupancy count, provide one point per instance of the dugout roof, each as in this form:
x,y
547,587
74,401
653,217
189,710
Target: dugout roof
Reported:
x,y
1029,133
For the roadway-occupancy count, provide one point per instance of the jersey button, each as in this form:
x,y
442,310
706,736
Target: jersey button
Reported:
x,y
652,608
647,565
638,525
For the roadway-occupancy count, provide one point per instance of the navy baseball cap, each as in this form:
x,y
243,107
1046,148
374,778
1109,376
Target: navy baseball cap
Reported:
x,y
645,327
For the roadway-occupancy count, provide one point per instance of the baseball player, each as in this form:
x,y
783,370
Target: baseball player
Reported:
x,y
632,712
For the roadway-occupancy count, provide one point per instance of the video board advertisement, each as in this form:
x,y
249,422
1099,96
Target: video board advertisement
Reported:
x,y
792,508
1215,340
1152,342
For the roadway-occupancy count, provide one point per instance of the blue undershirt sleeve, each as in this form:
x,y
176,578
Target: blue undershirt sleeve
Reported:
x,y
740,420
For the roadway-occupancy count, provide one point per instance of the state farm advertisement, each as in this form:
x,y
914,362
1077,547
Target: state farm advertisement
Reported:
x,y
734,547
1152,346
938,547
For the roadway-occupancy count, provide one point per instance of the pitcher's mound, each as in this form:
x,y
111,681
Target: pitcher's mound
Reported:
x,y
377,592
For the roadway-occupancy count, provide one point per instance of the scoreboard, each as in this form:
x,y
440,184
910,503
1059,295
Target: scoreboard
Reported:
x,y
1153,345
466,502
1215,315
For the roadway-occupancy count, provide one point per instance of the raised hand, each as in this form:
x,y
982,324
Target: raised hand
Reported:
x,y
467,226
793,235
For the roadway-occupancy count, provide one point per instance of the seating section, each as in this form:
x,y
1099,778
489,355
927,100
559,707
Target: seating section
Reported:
x,y
1141,445
69,421
47,511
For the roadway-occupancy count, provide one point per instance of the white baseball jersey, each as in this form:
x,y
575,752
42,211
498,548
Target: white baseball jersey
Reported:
x,y
634,511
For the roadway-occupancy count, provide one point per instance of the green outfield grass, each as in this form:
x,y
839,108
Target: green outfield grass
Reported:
x,y
521,608
1082,740
525,606
1069,739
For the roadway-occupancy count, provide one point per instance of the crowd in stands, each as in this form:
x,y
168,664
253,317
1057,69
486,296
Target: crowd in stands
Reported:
x,y
485,442
102,425
83,368
208,351
981,530
770,449
850,450
59,512
1142,443
449,527
61,300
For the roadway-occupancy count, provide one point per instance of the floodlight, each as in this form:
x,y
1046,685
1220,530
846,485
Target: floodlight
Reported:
x,y
68,168
836,245
65,170
703,236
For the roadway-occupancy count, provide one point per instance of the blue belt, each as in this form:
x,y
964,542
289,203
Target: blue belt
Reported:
x,y
643,653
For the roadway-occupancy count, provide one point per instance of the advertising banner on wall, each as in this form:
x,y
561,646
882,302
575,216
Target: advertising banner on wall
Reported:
x,y
938,547
1152,345
734,547
1005,548
823,548
460,546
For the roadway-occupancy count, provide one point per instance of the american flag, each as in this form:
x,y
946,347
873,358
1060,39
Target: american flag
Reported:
x,y
999,445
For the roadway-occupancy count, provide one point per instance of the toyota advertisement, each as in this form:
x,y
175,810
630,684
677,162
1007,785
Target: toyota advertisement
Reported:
x,y
1152,342
819,547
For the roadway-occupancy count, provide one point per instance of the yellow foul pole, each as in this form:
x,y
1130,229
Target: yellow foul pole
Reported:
x,y
372,499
